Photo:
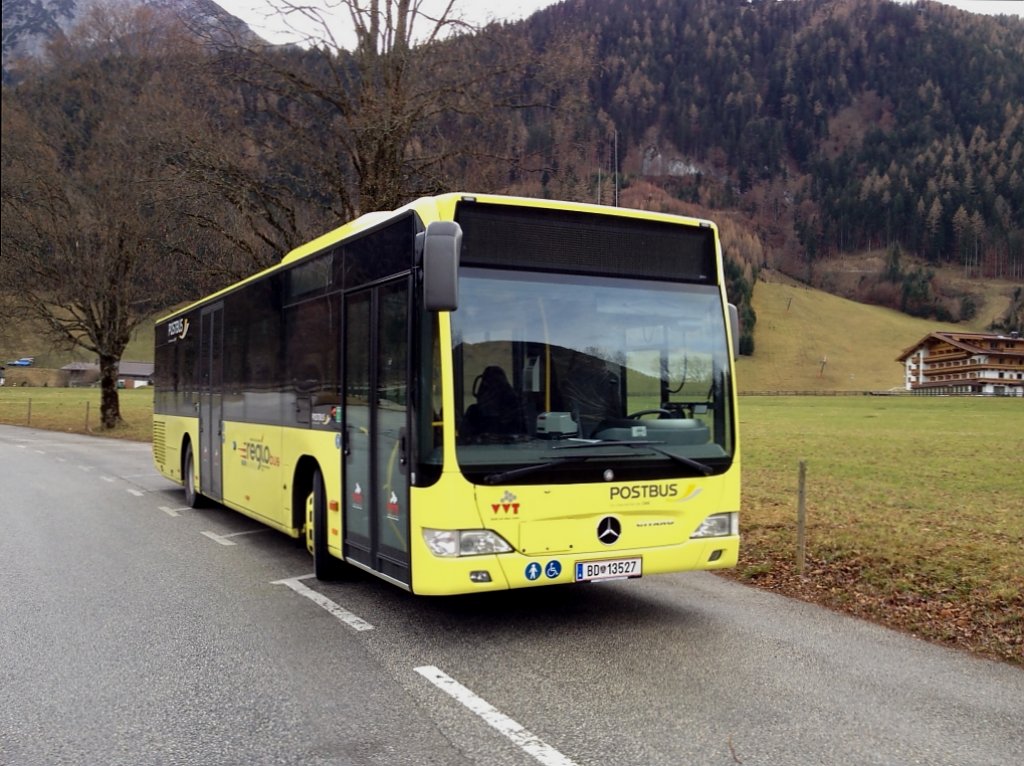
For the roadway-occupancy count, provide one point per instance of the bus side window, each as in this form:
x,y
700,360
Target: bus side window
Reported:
x,y
307,381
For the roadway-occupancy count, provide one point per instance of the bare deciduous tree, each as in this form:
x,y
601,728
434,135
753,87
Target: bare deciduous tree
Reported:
x,y
89,242
422,99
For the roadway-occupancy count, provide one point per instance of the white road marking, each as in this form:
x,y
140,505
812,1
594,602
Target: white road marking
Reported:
x,y
108,478
173,511
218,539
223,539
523,739
136,492
353,621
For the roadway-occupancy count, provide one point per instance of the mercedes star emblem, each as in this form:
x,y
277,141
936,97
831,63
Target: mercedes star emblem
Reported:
x,y
608,530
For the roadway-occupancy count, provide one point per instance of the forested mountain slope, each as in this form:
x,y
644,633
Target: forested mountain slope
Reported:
x,y
829,126
851,124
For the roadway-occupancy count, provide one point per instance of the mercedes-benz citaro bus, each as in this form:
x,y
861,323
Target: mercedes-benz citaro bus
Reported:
x,y
470,393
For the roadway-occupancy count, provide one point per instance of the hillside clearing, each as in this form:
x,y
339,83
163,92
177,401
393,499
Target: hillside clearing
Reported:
x,y
809,340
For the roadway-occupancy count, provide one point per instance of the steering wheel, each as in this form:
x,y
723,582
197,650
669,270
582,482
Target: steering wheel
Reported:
x,y
656,411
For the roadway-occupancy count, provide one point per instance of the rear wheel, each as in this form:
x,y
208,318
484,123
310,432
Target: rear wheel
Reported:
x,y
325,566
188,475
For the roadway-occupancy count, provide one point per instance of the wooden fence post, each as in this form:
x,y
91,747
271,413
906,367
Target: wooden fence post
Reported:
x,y
801,520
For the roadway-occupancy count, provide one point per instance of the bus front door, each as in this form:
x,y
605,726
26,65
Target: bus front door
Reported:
x,y
211,374
375,474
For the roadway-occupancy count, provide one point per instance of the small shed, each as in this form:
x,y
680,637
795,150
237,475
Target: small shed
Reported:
x,y
135,374
81,374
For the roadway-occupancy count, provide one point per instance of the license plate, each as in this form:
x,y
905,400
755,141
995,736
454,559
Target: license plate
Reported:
x,y
608,569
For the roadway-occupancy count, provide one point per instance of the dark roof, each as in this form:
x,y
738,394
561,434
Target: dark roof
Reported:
x,y
968,341
136,369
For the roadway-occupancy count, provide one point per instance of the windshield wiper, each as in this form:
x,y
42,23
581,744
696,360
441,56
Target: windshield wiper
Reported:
x,y
689,462
502,476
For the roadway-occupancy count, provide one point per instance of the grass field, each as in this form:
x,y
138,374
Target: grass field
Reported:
x,y
77,410
915,505
915,510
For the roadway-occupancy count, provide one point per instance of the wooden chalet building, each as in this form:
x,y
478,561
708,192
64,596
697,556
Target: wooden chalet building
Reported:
x,y
965,363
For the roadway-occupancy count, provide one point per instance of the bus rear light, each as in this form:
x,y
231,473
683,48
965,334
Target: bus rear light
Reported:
x,y
464,542
718,525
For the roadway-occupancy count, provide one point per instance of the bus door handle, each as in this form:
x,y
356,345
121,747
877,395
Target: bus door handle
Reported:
x,y
403,458
346,441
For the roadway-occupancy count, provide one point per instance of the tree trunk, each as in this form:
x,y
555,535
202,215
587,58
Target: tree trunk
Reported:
x,y
110,404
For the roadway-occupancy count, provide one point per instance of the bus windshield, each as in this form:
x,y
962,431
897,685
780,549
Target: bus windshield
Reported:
x,y
560,375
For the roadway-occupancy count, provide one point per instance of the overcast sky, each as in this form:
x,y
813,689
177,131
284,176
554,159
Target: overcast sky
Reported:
x,y
262,17
269,24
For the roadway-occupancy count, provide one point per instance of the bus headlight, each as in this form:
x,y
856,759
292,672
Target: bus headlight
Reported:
x,y
464,542
718,525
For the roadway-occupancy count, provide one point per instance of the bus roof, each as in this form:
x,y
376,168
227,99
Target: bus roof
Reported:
x,y
440,207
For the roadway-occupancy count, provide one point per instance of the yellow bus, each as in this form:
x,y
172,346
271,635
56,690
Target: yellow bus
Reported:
x,y
470,393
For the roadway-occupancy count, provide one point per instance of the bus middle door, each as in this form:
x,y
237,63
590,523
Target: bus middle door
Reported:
x,y
211,375
376,477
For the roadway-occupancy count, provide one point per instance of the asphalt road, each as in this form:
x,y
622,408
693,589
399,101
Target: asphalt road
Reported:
x,y
133,631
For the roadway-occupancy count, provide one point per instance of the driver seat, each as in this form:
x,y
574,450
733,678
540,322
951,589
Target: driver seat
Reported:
x,y
497,409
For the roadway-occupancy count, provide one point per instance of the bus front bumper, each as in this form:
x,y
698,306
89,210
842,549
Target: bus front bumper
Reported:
x,y
474,574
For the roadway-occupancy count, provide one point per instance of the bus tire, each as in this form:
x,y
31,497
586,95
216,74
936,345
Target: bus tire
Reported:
x,y
325,566
188,477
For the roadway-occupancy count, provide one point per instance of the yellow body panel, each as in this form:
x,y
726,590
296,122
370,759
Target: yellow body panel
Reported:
x,y
258,468
169,434
254,480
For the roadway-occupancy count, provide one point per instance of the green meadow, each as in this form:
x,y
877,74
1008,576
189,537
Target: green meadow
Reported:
x,y
914,508
76,410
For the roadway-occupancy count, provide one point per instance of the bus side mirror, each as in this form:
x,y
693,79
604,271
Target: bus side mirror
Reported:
x,y
441,247
734,327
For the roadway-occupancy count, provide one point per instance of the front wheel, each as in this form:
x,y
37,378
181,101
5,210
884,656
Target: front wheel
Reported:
x,y
325,566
